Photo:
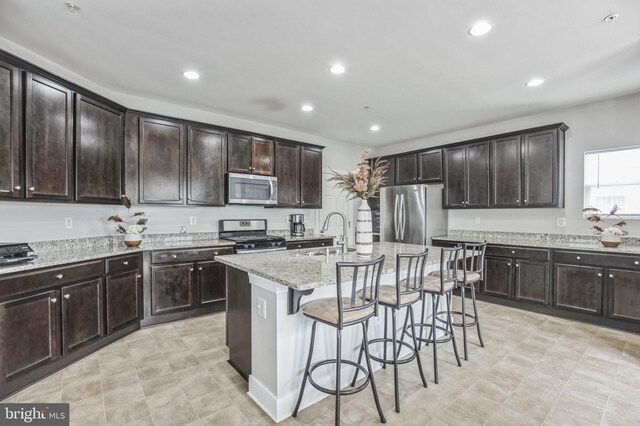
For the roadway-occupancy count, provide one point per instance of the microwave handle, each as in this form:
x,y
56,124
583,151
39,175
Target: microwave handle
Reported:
x,y
270,189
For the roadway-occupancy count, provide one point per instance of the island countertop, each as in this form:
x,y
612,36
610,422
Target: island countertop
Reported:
x,y
299,270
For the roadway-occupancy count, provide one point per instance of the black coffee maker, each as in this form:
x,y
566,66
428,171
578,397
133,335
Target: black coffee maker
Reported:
x,y
297,225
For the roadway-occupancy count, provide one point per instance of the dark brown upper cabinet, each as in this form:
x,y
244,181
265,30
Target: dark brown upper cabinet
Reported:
x,y
466,176
49,139
288,158
430,166
311,173
543,168
99,152
454,177
205,166
506,172
391,171
11,185
161,162
406,169
246,154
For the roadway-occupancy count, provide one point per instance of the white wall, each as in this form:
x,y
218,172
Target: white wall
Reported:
x,y
604,124
22,221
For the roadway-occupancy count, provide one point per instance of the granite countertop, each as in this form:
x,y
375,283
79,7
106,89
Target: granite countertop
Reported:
x,y
298,270
547,241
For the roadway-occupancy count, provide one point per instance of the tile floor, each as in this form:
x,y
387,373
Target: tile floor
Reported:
x,y
534,370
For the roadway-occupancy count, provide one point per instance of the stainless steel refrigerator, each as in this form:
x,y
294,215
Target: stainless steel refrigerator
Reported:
x,y
412,214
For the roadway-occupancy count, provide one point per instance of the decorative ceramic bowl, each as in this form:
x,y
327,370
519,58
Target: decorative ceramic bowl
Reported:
x,y
132,240
610,241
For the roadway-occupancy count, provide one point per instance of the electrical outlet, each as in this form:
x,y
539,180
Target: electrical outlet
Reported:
x,y
193,220
562,221
68,223
262,308
477,220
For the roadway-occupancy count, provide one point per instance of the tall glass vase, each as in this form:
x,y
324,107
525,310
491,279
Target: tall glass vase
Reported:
x,y
364,230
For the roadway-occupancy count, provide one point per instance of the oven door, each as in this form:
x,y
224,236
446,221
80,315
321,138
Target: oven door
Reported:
x,y
251,189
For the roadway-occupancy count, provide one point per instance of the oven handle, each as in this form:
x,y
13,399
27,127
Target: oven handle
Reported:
x,y
261,250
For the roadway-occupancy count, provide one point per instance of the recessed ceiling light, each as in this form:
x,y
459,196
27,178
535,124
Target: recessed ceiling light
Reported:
x,y
611,17
72,6
534,82
337,69
374,128
480,28
191,75
307,108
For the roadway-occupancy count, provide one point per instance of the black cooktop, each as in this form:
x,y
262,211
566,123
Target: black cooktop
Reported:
x,y
253,238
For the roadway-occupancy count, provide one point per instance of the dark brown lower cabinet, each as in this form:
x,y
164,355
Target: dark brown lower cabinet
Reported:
x,y
498,276
579,288
239,321
624,295
533,283
29,333
211,282
81,314
172,288
122,300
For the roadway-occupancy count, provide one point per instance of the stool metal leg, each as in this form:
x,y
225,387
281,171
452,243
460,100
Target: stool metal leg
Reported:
x,y
432,332
464,323
415,344
373,381
338,367
453,337
306,369
364,343
396,384
404,330
475,312
384,349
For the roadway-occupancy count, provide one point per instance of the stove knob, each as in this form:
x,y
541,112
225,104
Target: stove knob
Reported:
x,y
253,246
245,246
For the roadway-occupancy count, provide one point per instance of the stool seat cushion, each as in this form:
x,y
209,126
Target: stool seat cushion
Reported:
x,y
432,284
327,310
388,295
472,277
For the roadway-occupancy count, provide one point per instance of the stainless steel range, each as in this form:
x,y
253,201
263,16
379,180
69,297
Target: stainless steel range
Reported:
x,y
250,236
12,253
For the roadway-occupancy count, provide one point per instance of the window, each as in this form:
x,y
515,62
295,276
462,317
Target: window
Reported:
x,y
613,177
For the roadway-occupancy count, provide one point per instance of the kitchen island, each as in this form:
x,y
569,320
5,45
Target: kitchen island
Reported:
x,y
268,337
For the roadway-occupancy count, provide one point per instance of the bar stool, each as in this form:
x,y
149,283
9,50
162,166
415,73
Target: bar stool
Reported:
x,y
471,275
437,286
343,312
405,293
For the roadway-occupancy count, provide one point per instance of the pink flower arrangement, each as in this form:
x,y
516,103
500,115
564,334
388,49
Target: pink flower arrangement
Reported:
x,y
365,181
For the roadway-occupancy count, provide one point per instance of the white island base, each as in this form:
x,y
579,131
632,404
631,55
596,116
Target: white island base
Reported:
x,y
280,345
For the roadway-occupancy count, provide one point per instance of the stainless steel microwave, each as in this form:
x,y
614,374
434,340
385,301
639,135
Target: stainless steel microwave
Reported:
x,y
252,189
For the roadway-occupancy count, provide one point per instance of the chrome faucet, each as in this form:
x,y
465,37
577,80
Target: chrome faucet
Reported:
x,y
344,238
183,229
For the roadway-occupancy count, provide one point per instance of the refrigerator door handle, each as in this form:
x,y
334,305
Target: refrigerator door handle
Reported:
x,y
402,216
395,216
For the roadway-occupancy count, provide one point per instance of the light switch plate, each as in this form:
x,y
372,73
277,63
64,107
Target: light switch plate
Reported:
x,y
193,220
68,223
477,220
562,221
262,308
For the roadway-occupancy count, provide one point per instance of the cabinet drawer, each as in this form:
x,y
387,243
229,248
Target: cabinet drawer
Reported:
x,y
295,245
596,259
32,281
123,263
171,256
519,252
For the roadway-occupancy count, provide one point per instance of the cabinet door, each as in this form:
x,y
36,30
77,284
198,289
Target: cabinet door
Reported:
x,y
11,185
430,166
288,174
99,145
81,314
454,177
624,295
161,162
391,172
311,171
406,169
205,167
261,157
172,288
477,175
498,276
49,139
239,154
579,288
122,300
541,171
212,282
532,281
506,172
29,333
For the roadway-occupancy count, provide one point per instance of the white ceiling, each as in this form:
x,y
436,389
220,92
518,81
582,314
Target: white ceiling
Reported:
x,y
412,61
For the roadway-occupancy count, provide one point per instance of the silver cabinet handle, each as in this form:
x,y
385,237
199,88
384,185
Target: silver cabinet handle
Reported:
x,y
302,201
525,201
67,296
125,263
299,245
513,252
509,264
599,274
215,253
610,275
636,263
517,265
200,268
174,256
191,269
31,188
54,300
139,276
59,276
517,201
578,257
17,187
